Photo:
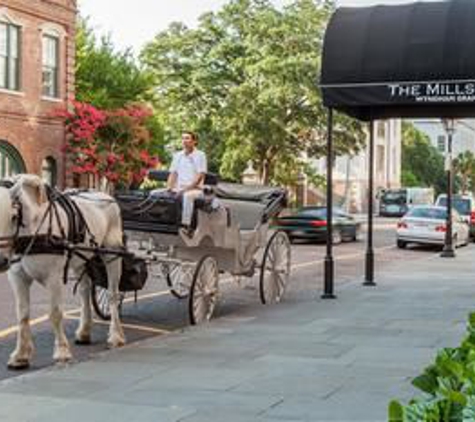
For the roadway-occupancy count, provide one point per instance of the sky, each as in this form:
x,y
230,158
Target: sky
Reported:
x,y
133,23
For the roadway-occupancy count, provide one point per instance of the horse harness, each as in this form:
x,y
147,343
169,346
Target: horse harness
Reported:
x,y
67,242
49,243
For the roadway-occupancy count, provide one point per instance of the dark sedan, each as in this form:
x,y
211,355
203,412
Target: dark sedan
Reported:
x,y
311,223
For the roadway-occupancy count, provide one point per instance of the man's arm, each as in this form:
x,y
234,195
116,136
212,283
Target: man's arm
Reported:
x,y
173,175
171,181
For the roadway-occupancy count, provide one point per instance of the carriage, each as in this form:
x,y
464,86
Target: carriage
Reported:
x,y
230,235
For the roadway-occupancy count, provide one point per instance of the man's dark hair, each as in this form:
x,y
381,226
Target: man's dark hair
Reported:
x,y
192,134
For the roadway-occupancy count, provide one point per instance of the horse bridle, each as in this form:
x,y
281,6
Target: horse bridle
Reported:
x,y
9,241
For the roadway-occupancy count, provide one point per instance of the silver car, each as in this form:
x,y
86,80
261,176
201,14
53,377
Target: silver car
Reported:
x,y
427,225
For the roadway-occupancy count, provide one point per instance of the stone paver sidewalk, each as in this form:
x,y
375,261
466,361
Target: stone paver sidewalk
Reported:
x,y
304,360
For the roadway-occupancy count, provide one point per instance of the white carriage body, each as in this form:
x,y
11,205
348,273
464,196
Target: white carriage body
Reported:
x,y
231,236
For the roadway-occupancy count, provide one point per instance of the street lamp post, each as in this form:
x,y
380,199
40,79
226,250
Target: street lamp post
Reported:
x,y
448,251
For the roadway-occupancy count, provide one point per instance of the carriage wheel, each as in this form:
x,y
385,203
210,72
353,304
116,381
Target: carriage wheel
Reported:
x,y
204,290
101,301
275,270
179,279
100,296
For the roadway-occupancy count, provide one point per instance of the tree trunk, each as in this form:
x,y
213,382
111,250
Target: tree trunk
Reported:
x,y
346,203
464,184
106,186
265,172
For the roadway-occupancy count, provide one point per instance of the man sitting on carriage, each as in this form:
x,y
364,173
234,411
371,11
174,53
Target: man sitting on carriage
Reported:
x,y
187,174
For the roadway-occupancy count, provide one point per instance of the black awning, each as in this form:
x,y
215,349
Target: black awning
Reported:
x,y
413,60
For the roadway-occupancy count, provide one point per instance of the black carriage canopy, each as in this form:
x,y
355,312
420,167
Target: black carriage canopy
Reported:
x,y
411,60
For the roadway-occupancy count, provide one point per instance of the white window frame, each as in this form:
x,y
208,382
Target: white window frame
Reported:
x,y
7,19
442,144
57,32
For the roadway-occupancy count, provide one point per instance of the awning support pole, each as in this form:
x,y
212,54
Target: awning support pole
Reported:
x,y
329,264
369,267
448,251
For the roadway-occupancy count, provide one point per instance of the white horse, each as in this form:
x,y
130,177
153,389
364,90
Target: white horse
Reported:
x,y
27,201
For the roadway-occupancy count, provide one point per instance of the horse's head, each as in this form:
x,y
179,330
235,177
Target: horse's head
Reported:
x,y
7,228
21,199
29,191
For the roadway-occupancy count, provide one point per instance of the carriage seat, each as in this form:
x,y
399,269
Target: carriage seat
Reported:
x,y
250,205
145,211
245,213
160,210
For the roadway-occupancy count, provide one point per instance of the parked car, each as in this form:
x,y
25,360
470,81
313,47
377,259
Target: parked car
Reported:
x,y
465,205
311,223
427,225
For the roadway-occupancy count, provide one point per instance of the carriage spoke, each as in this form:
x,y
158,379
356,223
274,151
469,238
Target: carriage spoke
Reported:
x,y
204,290
280,284
275,268
179,279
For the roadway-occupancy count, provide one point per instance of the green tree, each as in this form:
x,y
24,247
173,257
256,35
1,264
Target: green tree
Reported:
x,y
408,179
421,162
246,79
464,167
106,78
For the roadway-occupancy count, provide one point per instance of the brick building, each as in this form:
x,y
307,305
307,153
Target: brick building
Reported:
x,y
36,77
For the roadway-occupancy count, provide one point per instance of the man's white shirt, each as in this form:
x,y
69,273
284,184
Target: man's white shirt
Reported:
x,y
188,166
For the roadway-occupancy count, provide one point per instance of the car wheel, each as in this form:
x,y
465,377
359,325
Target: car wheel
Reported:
x,y
336,236
455,241
401,244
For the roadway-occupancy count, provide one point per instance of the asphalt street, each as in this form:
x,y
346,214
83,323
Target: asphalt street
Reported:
x,y
157,312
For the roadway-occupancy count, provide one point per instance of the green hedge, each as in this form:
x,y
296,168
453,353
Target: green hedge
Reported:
x,y
448,386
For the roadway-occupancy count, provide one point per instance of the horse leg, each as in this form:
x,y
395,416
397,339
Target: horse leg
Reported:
x,y
116,334
62,353
83,333
20,358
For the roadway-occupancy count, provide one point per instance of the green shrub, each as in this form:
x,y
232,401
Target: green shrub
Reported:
x,y
448,387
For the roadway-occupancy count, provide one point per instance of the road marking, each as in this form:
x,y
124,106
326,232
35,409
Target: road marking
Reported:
x,y
144,328
147,296
14,329
341,258
69,313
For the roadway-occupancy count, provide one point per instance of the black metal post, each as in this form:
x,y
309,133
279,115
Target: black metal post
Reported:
x,y
369,264
448,251
329,263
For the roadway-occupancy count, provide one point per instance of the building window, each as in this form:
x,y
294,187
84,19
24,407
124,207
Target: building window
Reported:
x,y
381,131
50,66
380,159
9,56
11,162
49,171
441,143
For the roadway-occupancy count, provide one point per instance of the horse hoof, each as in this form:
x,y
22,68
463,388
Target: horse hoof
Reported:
x,y
63,360
116,343
63,357
18,365
85,341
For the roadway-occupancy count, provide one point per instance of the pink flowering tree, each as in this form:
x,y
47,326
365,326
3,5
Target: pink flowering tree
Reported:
x,y
112,146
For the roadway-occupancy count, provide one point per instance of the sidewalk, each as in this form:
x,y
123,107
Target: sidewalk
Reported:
x,y
311,360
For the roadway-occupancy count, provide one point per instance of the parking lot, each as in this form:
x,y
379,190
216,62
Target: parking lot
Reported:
x,y
156,312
